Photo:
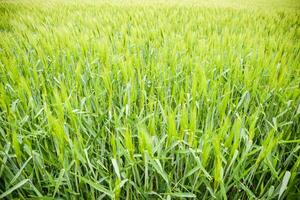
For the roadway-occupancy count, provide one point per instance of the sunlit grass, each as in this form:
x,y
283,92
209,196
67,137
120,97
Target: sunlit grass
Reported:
x,y
153,100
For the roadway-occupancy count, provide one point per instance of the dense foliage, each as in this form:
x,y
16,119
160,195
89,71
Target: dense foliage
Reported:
x,y
161,100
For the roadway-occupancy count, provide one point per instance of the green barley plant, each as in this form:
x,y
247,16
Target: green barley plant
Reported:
x,y
149,99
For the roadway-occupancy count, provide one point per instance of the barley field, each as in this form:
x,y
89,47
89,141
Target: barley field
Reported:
x,y
150,99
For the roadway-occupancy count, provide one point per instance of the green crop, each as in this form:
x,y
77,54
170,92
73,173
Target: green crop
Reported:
x,y
150,99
